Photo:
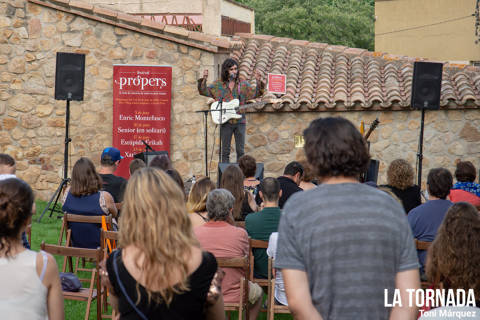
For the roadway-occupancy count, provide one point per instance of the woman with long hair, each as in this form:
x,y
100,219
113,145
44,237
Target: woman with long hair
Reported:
x,y
197,201
30,285
452,256
400,176
232,180
84,197
160,272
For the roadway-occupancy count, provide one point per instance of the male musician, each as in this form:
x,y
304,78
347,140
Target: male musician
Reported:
x,y
228,88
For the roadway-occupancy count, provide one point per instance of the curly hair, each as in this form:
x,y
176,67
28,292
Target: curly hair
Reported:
x,y
197,199
439,182
248,165
452,255
334,147
227,64
465,171
232,180
154,219
400,174
85,179
16,203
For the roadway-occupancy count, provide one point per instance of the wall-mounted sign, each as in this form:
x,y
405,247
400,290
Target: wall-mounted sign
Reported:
x,y
142,100
277,83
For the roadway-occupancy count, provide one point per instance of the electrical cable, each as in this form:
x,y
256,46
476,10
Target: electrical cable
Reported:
x,y
426,25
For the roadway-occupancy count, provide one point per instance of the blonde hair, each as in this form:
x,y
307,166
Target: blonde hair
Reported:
x,y
400,174
197,199
154,219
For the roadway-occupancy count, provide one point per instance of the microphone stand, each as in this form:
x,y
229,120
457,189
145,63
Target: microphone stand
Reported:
x,y
205,136
220,103
147,146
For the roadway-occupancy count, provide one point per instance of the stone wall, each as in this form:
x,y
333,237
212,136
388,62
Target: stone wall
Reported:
x,y
33,123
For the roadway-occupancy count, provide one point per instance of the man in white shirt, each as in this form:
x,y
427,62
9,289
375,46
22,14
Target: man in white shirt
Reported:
x,y
280,295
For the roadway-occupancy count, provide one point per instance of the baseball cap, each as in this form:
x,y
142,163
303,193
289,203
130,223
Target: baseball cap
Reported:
x,y
114,153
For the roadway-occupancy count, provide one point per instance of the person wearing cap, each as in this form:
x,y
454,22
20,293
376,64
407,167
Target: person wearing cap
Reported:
x,y
113,184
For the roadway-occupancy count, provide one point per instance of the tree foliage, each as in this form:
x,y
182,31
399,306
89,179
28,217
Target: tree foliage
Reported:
x,y
340,22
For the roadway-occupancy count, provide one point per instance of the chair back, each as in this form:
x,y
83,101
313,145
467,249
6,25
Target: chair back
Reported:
x,y
256,244
70,217
422,245
108,242
243,264
272,307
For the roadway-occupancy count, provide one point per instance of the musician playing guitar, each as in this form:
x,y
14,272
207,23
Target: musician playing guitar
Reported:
x,y
230,87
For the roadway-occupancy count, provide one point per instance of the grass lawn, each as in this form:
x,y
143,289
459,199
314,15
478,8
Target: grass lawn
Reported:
x,y
48,230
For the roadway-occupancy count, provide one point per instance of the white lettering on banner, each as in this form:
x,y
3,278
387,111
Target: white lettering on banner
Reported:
x,y
124,142
124,117
141,82
125,130
149,118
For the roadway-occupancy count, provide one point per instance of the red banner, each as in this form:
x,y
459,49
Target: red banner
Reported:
x,y
277,83
142,100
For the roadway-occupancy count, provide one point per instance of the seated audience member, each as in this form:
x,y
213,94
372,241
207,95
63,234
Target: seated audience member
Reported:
x,y
260,225
136,164
197,201
342,244
452,255
232,180
29,282
161,162
400,175
426,218
248,165
292,176
307,177
175,175
8,167
279,294
465,189
226,241
111,183
158,274
85,198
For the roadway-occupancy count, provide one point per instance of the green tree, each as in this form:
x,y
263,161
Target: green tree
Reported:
x,y
341,22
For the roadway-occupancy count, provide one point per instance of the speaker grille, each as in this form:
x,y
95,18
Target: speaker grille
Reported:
x,y
426,85
69,76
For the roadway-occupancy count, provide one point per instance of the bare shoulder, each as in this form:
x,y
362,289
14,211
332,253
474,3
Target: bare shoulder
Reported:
x,y
51,270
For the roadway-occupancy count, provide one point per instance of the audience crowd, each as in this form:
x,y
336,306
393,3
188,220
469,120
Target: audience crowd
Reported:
x,y
340,248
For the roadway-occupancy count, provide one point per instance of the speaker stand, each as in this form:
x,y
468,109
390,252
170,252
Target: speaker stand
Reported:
x,y
65,179
420,150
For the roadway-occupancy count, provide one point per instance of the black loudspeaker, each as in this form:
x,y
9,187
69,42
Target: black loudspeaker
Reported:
x,y
223,165
69,76
426,85
372,171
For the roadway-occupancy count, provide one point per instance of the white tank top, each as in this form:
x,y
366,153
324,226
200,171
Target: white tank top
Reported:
x,y
22,293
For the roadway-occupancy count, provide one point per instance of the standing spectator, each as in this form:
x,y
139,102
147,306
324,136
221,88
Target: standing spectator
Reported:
x,y
226,241
426,218
136,164
232,180
400,177
160,274
465,189
30,286
197,201
111,183
292,176
248,165
84,197
342,244
260,225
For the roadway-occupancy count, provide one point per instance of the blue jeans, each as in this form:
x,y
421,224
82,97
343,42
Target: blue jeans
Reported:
x,y
238,131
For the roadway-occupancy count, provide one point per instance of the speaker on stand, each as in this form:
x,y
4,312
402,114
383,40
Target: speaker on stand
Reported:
x,y
69,84
426,90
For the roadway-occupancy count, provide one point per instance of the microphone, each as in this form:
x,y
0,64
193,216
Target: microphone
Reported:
x,y
147,146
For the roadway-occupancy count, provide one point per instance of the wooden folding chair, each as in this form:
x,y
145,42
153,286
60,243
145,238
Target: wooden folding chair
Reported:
x,y
108,243
256,244
423,245
272,307
88,293
240,224
69,217
241,306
